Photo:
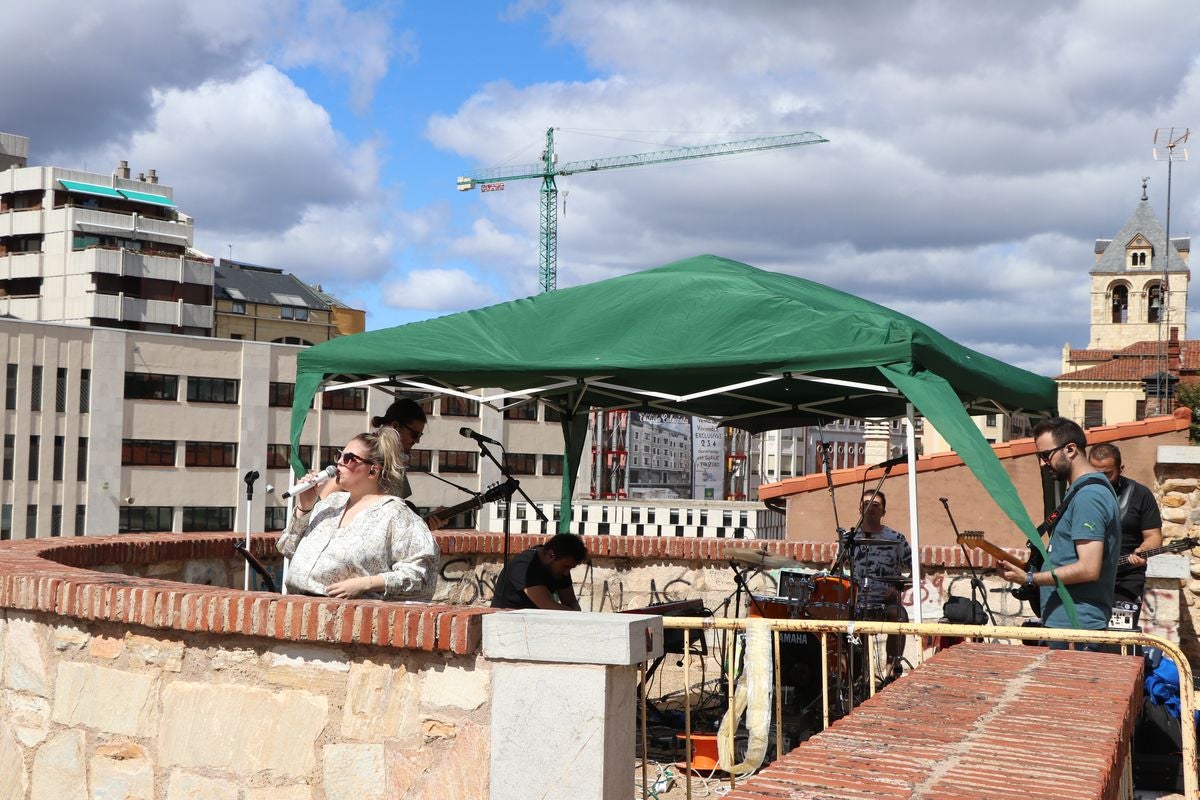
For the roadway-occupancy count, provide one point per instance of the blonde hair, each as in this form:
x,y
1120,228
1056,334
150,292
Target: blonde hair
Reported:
x,y
386,451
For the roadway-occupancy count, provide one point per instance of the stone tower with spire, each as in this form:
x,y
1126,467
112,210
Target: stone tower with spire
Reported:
x,y
1132,300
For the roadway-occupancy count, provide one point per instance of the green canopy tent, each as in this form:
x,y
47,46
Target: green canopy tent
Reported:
x,y
703,336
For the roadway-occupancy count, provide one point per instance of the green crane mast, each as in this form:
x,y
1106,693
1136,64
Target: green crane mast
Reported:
x,y
548,169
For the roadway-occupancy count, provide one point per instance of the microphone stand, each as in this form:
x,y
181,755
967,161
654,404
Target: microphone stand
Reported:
x,y
250,478
516,485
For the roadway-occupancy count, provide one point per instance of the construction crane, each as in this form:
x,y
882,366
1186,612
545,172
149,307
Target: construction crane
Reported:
x,y
548,169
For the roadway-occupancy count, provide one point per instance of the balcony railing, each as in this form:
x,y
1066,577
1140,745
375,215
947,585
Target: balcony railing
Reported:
x,y
135,309
130,263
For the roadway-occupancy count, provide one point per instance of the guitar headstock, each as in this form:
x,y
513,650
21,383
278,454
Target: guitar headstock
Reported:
x,y
968,537
497,491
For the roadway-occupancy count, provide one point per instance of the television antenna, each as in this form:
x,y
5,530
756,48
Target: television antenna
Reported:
x,y
1168,146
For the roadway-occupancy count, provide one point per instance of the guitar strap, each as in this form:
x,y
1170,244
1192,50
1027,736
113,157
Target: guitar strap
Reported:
x,y
1124,498
1047,527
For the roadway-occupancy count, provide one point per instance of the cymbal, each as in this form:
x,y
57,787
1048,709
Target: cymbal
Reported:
x,y
896,579
761,558
869,542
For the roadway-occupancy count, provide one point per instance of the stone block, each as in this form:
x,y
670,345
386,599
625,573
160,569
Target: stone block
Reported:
x,y
60,768
70,637
240,729
455,686
583,715
1180,515
1179,485
381,703
110,700
569,638
30,717
436,772
106,647
26,665
354,772
13,779
301,656
186,786
296,792
156,652
117,777
1168,566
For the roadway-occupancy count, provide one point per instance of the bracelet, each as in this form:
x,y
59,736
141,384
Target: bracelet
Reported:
x,y
1029,577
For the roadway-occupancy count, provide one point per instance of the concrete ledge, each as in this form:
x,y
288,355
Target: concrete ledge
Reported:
x,y
1174,454
564,637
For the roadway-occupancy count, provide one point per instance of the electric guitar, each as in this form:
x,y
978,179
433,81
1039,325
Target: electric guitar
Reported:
x,y
975,539
493,493
1173,547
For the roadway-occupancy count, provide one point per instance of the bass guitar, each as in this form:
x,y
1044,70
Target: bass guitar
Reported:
x,y
496,491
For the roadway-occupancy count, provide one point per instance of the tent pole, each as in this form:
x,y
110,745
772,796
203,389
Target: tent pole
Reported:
x,y
910,442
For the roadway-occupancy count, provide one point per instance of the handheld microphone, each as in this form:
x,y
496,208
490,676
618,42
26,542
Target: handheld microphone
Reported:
x,y
479,437
892,462
304,486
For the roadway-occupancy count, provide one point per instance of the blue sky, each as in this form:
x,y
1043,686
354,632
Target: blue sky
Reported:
x,y
974,155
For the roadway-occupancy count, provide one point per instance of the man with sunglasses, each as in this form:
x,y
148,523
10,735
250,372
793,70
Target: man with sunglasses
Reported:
x,y
1085,541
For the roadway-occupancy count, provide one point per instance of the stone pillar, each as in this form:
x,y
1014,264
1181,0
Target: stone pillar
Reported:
x,y
1178,489
877,434
564,701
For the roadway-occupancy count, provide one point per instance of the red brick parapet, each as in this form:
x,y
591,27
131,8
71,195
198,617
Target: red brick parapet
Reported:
x,y
54,575
60,576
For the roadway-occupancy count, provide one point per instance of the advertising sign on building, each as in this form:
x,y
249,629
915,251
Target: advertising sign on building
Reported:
x,y
708,452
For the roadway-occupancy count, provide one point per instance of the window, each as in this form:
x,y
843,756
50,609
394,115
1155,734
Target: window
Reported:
x,y
212,390
56,520
1154,302
60,445
279,455
276,518
144,519
10,388
328,455
279,395
523,411
10,446
85,391
1093,413
459,407
457,460
6,521
147,453
35,446
80,517
31,514
552,414
1120,304
60,391
552,465
302,313
147,386
239,307
81,461
35,390
1141,410
285,312
345,400
210,454
521,463
990,420
420,461
207,518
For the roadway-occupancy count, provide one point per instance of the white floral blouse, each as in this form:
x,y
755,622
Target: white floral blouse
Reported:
x,y
387,538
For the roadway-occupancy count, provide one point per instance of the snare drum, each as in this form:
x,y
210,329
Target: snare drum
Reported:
x,y
832,597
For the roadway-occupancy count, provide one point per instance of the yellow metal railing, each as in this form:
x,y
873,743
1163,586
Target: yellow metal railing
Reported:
x,y
869,629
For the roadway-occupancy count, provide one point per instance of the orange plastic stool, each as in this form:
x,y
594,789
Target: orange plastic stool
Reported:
x,y
704,751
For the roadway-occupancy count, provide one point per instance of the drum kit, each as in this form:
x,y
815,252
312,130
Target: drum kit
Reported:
x,y
807,594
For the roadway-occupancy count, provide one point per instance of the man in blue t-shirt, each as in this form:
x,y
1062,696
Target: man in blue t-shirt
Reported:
x,y
1085,544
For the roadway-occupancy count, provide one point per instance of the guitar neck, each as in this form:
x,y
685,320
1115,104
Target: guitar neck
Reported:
x,y
992,550
466,505
1173,547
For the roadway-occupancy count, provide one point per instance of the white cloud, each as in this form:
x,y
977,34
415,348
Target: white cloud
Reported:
x,y
438,290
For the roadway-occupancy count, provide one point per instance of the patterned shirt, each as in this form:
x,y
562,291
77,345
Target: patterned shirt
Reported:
x,y
387,539
880,560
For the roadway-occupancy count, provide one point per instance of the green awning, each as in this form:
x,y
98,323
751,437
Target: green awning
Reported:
x,y
142,197
91,188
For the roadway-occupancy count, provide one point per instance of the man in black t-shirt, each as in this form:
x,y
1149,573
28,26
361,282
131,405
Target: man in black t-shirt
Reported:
x,y
1141,523
540,577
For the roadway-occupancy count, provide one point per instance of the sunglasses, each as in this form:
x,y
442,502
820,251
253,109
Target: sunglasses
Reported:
x,y
349,459
416,434
1045,455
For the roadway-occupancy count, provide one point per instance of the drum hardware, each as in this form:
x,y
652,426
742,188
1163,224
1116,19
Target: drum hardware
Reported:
x,y
869,542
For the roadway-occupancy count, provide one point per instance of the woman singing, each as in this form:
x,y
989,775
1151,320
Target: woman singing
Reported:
x,y
362,541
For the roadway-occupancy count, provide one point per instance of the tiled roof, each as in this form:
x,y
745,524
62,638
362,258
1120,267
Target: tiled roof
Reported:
x,y
1131,363
1143,220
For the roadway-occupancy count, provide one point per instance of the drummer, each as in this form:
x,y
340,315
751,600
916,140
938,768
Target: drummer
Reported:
x,y
884,554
